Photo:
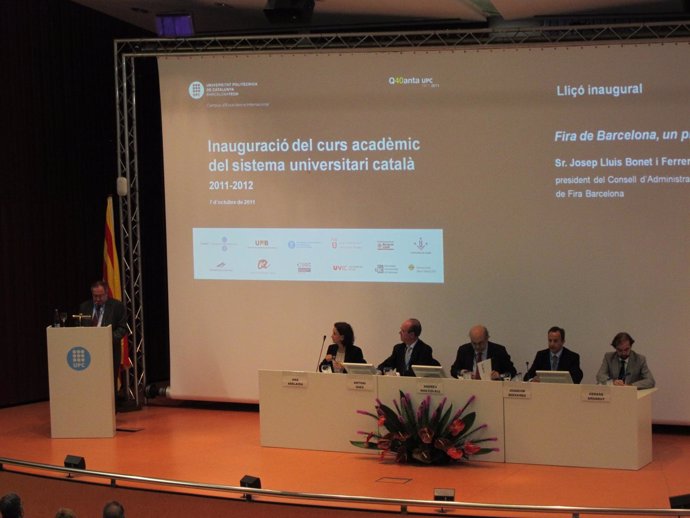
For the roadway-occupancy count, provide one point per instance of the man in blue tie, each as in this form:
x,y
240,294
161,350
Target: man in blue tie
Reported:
x,y
556,357
412,350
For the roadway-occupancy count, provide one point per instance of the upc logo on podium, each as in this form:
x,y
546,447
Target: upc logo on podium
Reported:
x,y
78,358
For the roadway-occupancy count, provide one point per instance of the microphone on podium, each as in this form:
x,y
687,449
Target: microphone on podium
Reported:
x,y
318,362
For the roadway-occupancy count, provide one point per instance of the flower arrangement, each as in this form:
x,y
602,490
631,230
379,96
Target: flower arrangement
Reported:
x,y
437,437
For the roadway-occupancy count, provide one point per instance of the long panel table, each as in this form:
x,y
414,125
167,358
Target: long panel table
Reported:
x,y
534,423
316,411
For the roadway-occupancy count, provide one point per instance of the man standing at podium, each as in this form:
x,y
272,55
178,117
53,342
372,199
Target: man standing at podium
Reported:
x,y
105,311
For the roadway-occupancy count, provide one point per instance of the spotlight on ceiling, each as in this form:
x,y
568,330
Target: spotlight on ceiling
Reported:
x,y
289,11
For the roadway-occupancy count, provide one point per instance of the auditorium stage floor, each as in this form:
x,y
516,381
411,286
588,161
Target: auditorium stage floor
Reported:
x,y
220,446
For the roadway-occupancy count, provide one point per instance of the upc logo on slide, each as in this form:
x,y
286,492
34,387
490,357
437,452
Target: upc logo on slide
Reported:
x,y
196,90
78,358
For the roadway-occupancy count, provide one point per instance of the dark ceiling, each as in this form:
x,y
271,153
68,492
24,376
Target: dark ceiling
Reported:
x,y
232,17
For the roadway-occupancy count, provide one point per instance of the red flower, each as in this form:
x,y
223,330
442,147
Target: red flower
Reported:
x,y
456,427
470,448
454,453
382,420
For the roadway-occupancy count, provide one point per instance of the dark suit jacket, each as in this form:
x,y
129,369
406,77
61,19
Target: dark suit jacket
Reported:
x,y
422,354
353,354
114,315
500,359
569,361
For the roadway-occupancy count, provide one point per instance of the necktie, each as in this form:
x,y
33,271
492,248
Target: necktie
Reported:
x,y
554,362
477,359
621,372
97,315
408,357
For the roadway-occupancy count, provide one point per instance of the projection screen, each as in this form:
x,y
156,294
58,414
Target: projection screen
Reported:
x,y
518,188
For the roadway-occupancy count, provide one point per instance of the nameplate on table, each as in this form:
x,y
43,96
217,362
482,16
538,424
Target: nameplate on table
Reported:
x,y
429,386
517,391
598,394
295,380
360,383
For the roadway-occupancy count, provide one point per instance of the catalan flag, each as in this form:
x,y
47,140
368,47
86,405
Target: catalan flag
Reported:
x,y
111,273
111,264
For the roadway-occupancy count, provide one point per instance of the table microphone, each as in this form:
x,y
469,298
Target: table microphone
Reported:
x,y
318,362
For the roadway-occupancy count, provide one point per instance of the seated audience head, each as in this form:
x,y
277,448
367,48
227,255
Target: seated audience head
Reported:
x,y
479,338
11,506
622,343
556,337
114,509
65,512
345,334
410,330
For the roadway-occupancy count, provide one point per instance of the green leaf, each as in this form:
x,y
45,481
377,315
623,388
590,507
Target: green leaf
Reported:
x,y
408,416
484,451
392,420
365,444
445,420
436,416
469,420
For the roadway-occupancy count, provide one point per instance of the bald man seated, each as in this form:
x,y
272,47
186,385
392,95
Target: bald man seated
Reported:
x,y
479,349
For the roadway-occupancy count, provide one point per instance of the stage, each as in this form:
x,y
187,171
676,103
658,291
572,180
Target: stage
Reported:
x,y
212,444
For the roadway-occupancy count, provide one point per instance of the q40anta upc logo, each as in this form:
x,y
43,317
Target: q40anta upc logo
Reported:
x,y
78,358
196,89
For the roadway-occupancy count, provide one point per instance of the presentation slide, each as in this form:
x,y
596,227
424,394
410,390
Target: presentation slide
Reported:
x,y
518,188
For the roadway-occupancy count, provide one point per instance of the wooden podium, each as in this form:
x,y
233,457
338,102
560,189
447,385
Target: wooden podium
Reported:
x,y
80,373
